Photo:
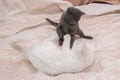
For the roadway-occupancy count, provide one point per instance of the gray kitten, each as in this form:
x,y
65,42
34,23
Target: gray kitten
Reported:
x,y
69,25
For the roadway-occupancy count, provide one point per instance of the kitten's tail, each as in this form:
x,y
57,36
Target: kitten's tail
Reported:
x,y
53,23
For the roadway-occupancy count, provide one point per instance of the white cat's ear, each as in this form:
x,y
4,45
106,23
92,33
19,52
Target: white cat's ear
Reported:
x,y
66,43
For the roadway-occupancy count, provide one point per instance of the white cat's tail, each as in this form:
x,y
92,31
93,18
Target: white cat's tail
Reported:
x,y
19,48
15,46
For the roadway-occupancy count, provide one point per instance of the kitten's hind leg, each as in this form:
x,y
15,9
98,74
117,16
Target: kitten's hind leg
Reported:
x,y
82,35
51,22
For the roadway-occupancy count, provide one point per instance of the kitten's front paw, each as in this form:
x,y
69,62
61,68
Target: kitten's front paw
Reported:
x,y
71,46
60,43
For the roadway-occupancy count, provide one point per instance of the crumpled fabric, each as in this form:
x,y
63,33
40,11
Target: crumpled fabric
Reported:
x,y
104,29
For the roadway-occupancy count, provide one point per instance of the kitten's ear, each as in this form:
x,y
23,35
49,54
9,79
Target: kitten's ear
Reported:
x,y
69,10
82,13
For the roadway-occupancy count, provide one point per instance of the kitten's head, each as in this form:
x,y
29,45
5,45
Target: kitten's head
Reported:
x,y
73,15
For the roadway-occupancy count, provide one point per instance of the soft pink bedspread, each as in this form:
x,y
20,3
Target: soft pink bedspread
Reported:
x,y
14,66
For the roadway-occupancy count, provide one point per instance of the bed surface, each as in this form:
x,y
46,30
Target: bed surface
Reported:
x,y
19,16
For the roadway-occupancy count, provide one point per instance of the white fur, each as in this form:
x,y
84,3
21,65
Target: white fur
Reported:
x,y
53,59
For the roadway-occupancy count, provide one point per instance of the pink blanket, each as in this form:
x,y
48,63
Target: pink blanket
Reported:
x,y
28,17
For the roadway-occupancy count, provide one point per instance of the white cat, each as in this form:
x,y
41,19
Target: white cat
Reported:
x,y
53,59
